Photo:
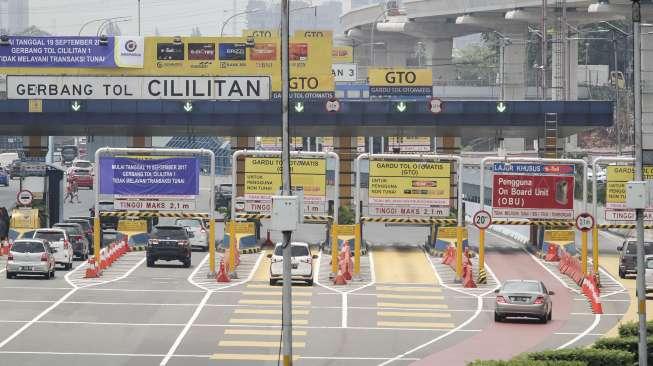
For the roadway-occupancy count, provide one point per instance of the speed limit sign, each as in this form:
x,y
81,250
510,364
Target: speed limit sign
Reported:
x,y
482,219
584,222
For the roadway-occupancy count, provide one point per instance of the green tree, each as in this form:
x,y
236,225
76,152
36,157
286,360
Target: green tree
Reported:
x,y
476,63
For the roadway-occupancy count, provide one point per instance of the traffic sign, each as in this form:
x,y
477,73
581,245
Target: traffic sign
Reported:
x,y
188,106
333,105
501,107
482,219
401,107
584,222
76,106
299,107
435,105
24,197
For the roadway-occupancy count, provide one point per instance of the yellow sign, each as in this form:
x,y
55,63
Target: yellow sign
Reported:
x,y
342,54
617,177
409,169
345,230
274,143
418,188
263,176
400,77
559,236
35,106
241,227
450,232
132,226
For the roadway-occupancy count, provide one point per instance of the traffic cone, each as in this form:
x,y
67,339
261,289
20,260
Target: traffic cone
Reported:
x,y
468,278
552,254
222,273
267,243
91,270
340,279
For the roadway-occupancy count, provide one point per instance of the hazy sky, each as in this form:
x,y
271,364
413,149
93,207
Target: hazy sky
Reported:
x,y
172,17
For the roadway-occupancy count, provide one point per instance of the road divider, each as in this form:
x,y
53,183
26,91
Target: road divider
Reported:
x,y
108,255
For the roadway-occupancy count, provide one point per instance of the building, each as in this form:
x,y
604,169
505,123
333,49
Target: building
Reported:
x,y
14,16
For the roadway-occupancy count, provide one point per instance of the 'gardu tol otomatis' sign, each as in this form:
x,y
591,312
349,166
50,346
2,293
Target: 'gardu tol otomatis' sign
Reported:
x,y
533,191
143,177
141,87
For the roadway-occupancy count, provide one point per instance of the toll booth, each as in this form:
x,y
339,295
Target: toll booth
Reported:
x,y
46,184
563,239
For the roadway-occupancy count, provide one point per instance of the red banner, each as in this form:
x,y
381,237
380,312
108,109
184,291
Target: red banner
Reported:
x,y
533,196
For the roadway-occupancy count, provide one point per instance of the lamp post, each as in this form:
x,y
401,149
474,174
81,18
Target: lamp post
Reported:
x,y
106,22
139,18
372,37
81,29
224,24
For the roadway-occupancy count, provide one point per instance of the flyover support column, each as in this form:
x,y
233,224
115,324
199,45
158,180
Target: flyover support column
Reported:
x,y
438,55
35,146
345,147
513,69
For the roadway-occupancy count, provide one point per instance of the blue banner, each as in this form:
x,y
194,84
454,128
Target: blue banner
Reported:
x,y
141,177
58,52
525,168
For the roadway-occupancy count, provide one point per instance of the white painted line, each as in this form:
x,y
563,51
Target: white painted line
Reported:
x,y
187,327
608,314
604,300
27,301
194,272
589,334
597,319
343,323
537,260
98,323
142,290
123,276
34,288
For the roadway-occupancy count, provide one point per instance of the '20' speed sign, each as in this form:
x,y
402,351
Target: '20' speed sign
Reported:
x,y
482,219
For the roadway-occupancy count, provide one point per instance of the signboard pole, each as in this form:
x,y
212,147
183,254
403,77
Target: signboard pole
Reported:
x,y
595,249
334,248
583,261
357,250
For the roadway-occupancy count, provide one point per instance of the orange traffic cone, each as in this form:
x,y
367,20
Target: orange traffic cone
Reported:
x,y
340,279
91,270
222,273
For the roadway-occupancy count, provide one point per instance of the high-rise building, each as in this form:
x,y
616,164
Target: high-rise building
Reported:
x,y
14,16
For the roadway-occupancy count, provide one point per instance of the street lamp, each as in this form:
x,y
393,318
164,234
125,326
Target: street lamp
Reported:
x,y
99,20
372,36
224,24
106,22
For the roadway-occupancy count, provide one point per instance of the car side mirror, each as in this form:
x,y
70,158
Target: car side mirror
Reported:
x,y
496,291
619,248
314,256
191,235
551,293
269,255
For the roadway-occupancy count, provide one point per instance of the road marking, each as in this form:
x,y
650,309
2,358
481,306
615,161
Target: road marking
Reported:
x,y
275,293
604,300
416,306
408,289
190,278
415,324
409,297
397,266
263,344
608,314
261,332
269,311
344,315
597,319
412,314
271,302
247,357
265,321
123,276
28,301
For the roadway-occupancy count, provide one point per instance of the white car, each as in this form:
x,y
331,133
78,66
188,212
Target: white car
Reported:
x,y
59,241
302,263
30,257
649,273
200,238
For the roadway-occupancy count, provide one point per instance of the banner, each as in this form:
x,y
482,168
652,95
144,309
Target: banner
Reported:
x,y
342,54
400,81
149,177
409,188
615,192
533,196
148,87
76,52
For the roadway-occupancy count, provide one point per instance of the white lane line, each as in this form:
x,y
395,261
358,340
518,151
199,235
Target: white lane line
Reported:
x,y
123,276
343,324
571,333
44,312
479,309
372,275
597,319
608,314
604,300
190,278
27,301
537,260
33,288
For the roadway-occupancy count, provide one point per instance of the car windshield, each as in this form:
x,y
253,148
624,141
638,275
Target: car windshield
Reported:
x,y
71,230
50,236
27,247
13,234
27,234
297,251
521,286
138,239
632,248
85,225
189,223
649,263
83,164
82,172
170,233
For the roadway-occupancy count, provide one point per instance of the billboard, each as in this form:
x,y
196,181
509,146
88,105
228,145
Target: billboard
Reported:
x,y
529,191
149,177
263,180
399,188
615,192
388,82
72,52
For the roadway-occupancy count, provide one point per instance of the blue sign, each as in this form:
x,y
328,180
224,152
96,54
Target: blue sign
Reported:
x,y
58,52
232,51
145,177
526,168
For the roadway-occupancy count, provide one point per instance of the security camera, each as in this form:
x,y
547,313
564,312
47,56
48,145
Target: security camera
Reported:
x,y
4,40
104,40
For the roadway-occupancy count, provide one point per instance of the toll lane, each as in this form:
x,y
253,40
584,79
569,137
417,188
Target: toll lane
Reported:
x,y
407,265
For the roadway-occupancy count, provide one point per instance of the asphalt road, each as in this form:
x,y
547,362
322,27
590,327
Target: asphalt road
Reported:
x,y
405,309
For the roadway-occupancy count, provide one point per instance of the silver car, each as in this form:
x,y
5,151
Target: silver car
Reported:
x,y
200,238
523,298
31,257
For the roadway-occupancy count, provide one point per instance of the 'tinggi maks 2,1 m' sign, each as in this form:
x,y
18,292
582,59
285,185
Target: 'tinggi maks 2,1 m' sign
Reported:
x,y
397,82
263,180
615,193
409,188
529,191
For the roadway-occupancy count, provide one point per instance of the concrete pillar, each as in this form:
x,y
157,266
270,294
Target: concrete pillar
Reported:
x,y
396,53
572,67
558,72
139,141
438,53
35,146
241,143
447,145
647,96
564,80
346,147
513,70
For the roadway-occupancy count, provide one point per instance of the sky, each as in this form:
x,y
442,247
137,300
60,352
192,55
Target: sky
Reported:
x,y
172,17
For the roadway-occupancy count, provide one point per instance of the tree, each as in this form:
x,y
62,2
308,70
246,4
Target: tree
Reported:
x,y
476,63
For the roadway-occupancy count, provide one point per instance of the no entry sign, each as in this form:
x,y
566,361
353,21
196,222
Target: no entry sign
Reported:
x,y
535,195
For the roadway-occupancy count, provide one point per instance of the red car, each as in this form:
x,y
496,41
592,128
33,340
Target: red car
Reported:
x,y
84,177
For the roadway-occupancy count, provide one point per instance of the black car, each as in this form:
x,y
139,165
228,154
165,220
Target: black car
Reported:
x,y
628,256
87,226
75,231
223,195
168,243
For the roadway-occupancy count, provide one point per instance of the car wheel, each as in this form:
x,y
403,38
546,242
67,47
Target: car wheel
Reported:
x,y
309,282
187,263
622,273
150,262
550,316
497,317
273,282
53,272
69,266
10,275
47,276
